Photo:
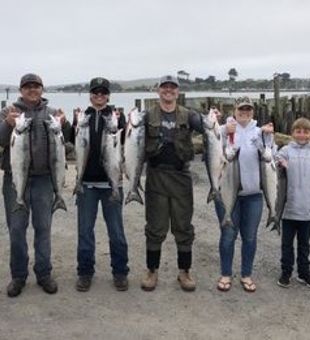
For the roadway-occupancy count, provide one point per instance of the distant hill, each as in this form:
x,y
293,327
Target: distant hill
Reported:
x,y
11,87
147,82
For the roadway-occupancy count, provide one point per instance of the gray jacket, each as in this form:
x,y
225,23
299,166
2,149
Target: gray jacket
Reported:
x,y
298,181
247,138
38,141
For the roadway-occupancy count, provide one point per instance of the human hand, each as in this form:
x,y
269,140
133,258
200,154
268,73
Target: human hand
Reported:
x,y
61,116
11,115
217,113
117,114
268,128
282,163
231,125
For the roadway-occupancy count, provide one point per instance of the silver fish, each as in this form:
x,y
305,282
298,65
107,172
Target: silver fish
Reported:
x,y
214,154
20,157
281,197
82,147
134,149
112,156
57,160
269,183
230,184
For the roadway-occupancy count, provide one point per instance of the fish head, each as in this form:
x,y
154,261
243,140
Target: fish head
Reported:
x,y
53,124
112,122
211,125
82,119
22,123
136,117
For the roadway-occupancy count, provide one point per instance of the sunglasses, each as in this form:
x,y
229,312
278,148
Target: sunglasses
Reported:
x,y
100,92
245,108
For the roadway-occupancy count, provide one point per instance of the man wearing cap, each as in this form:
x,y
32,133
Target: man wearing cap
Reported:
x,y
96,188
169,189
39,192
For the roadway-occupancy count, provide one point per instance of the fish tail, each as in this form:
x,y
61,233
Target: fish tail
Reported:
x,y
18,205
78,189
115,196
227,222
271,219
213,194
59,203
134,196
276,226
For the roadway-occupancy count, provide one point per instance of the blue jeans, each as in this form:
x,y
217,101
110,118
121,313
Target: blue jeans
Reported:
x,y
246,217
87,205
39,195
291,228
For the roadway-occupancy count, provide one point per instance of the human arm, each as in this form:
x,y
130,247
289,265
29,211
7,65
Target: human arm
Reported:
x,y
195,121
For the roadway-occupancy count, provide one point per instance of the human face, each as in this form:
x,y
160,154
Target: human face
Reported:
x,y
301,136
31,93
168,93
244,114
99,98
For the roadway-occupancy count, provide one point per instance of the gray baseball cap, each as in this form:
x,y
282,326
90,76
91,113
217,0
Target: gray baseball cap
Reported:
x,y
244,101
30,78
169,79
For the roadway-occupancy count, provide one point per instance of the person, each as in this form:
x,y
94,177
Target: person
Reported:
x,y
168,188
295,158
96,188
39,192
247,212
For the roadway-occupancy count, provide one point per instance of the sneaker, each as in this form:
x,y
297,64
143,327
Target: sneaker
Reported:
x,y
305,280
83,283
15,287
149,281
186,281
284,281
120,282
48,284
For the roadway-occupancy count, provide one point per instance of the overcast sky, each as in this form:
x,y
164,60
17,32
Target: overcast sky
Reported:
x,y
68,41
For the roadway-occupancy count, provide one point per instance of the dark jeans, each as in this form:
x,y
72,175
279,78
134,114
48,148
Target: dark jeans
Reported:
x,y
87,204
246,217
291,228
39,195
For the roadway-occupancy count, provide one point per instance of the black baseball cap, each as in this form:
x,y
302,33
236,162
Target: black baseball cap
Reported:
x,y
99,83
30,78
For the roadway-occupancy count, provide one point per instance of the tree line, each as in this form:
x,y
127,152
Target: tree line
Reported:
x,y
209,83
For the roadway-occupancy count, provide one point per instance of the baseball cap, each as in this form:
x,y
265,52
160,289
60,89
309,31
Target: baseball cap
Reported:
x,y
244,101
30,78
169,79
99,82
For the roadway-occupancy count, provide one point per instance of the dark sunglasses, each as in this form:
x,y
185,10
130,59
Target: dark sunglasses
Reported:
x,y
245,108
101,92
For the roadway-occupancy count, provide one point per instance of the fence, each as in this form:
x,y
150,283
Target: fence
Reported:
x,y
282,111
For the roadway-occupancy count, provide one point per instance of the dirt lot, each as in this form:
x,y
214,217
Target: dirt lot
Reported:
x,y
166,313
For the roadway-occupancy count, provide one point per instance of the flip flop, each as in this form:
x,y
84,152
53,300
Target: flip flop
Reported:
x,y
223,285
248,286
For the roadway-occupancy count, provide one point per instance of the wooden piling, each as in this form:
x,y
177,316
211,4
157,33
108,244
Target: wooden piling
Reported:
x,y
181,99
138,104
277,112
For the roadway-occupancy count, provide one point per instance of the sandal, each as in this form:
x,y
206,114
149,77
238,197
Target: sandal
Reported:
x,y
248,285
224,284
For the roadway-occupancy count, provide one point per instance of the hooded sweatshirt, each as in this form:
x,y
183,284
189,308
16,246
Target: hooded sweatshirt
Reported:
x,y
297,206
246,139
38,140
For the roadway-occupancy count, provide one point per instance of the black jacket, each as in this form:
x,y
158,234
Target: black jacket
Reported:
x,y
94,171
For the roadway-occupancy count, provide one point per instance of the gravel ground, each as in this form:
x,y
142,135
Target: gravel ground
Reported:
x,y
168,312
